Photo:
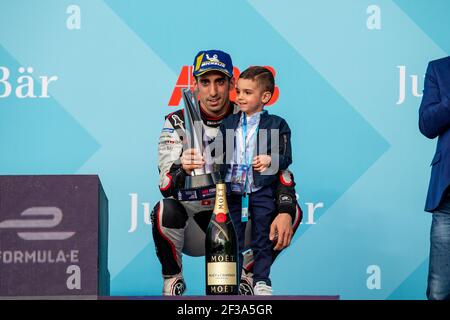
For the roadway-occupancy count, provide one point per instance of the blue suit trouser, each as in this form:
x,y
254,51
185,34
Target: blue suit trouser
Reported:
x,y
439,268
261,211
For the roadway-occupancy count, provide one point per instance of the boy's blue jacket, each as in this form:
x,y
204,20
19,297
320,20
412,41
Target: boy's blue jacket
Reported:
x,y
281,155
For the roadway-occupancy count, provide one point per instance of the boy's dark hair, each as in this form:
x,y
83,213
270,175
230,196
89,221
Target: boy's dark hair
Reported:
x,y
261,75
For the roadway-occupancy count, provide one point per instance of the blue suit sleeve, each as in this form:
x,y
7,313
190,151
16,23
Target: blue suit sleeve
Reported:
x,y
285,152
434,112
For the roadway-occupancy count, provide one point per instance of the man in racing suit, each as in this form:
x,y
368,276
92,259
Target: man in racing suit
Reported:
x,y
180,226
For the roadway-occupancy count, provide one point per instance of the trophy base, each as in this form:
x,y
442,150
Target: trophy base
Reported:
x,y
200,181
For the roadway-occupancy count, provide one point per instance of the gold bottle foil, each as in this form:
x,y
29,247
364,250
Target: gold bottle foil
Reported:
x,y
221,205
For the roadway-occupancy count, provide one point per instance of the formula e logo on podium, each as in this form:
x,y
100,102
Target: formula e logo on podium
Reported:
x,y
56,219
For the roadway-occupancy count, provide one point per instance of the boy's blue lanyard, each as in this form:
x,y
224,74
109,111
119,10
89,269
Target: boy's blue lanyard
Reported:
x,y
248,163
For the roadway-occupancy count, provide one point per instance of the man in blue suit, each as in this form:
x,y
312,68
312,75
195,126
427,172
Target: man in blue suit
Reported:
x,y
434,121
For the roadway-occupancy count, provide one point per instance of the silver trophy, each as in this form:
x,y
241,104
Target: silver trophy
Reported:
x,y
199,178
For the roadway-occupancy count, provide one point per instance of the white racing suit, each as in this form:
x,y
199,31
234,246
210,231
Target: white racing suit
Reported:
x,y
180,226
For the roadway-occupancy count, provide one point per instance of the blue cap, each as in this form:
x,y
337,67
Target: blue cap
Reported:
x,y
210,60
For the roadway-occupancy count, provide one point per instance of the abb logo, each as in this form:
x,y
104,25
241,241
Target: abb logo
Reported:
x,y
185,79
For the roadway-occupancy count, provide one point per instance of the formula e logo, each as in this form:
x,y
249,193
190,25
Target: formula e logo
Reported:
x,y
56,219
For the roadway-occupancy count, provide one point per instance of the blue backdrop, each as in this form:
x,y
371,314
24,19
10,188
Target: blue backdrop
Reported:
x,y
350,75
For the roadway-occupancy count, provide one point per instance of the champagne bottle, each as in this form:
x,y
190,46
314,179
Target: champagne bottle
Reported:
x,y
221,249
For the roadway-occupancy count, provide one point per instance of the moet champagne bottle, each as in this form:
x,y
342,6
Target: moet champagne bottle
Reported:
x,y
221,249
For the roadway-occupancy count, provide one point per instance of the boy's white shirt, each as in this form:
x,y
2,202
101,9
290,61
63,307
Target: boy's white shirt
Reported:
x,y
238,152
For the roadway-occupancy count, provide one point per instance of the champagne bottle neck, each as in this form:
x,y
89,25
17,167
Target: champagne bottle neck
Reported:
x,y
221,205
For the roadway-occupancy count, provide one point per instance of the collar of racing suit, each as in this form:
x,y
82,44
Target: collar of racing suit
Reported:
x,y
211,121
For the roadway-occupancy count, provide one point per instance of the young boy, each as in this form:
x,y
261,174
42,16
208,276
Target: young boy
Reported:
x,y
261,147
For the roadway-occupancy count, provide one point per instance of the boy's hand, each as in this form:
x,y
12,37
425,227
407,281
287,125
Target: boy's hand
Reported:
x,y
261,162
191,159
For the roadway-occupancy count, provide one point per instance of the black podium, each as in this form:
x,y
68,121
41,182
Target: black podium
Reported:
x,y
53,237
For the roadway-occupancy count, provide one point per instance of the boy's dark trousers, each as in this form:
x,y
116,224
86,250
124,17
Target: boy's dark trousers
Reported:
x,y
261,211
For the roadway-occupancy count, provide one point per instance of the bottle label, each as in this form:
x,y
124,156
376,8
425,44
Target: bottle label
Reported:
x,y
221,273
